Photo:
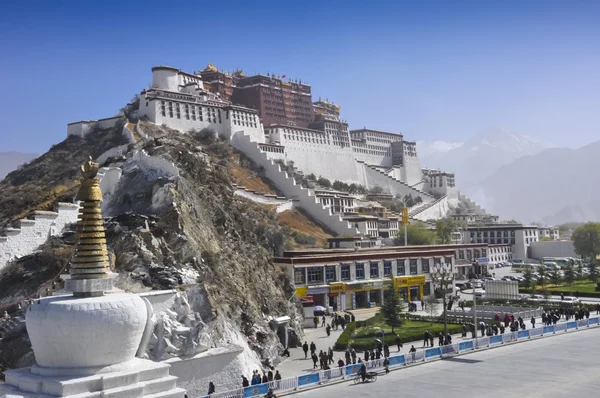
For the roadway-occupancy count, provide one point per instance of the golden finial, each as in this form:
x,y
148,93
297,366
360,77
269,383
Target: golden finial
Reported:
x,y
89,169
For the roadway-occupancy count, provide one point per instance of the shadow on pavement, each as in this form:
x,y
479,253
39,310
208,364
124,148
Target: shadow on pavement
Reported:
x,y
462,360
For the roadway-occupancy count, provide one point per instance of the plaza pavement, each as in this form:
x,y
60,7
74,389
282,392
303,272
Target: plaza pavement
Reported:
x,y
296,365
554,367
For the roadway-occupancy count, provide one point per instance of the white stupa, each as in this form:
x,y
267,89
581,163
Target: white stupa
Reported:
x,y
85,344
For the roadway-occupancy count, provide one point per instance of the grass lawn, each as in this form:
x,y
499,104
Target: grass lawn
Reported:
x,y
578,286
409,331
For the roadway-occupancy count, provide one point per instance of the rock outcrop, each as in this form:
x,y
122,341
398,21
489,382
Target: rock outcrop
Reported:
x,y
185,230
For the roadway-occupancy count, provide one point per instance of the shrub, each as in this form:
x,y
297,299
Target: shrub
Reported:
x,y
342,341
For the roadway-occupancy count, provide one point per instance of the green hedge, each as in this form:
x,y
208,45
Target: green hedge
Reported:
x,y
558,292
342,341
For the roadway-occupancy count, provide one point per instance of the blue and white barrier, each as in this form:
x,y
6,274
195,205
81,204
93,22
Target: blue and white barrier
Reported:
x,y
323,376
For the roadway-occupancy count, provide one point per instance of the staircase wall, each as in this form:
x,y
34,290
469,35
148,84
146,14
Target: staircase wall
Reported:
x,y
19,242
374,176
290,189
434,210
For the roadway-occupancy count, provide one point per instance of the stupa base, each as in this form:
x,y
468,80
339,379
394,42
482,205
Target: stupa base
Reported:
x,y
147,379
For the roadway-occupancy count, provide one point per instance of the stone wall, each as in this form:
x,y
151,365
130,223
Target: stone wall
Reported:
x,y
374,176
154,164
431,211
22,241
290,189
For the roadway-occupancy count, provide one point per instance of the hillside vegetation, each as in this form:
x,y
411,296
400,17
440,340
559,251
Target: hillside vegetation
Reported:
x,y
54,176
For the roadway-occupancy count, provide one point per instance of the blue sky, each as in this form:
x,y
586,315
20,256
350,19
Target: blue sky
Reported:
x,y
432,70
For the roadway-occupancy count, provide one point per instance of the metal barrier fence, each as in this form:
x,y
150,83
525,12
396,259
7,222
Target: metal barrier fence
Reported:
x,y
351,371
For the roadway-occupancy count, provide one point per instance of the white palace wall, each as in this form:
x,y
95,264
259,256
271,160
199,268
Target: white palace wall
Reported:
x,y
290,189
22,241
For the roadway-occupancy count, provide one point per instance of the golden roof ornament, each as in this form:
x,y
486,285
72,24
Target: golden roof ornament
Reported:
x,y
91,254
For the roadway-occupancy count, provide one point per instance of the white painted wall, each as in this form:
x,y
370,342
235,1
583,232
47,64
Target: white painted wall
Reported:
x,y
112,152
33,233
557,248
80,129
374,177
434,210
108,123
290,189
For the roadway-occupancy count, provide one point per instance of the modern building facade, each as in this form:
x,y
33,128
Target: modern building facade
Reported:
x,y
518,236
345,279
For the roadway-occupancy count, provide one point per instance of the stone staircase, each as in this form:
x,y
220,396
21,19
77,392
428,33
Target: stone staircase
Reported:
x,y
302,197
392,184
416,210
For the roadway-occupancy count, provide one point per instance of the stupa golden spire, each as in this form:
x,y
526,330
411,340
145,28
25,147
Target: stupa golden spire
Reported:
x,y
91,256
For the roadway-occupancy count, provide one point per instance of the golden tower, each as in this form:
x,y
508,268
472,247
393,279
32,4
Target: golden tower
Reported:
x,y
91,255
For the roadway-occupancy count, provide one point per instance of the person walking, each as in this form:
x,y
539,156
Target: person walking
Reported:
x,y
533,322
330,355
313,348
413,352
315,359
245,382
277,379
386,365
398,342
305,349
270,375
425,339
323,322
316,321
353,354
211,388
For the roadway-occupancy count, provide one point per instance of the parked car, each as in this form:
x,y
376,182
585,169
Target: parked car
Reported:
x,y
536,297
571,300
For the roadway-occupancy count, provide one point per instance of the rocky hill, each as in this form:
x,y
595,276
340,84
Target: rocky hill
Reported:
x,y
172,221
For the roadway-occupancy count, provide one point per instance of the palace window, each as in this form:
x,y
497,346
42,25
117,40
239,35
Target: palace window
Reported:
x,y
387,268
461,254
360,271
178,111
163,108
413,267
345,272
330,274
425,262
400,267
448,260
299,276
469,255
437,260
374,270
315,275
483,253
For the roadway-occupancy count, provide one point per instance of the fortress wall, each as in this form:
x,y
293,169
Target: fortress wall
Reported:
x,y
374,177
290,189
109,178
330,161
411,173
434,210
33,233
112,152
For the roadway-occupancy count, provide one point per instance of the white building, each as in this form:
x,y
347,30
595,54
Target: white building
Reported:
x,y
380,227
548,233
518,236
338,202
179,100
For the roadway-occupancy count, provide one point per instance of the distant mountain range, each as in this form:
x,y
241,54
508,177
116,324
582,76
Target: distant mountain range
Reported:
x,y
518,177
9,161
478,157
555,186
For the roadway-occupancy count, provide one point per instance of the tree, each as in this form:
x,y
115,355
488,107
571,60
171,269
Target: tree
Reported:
x,y
586,240
580,274
392,307
324,182
444,228
569,274
443,277
376,189
543,276
528,275
417,235
593,267
555,276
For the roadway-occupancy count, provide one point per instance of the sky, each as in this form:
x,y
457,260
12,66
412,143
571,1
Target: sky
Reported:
x,y
433,70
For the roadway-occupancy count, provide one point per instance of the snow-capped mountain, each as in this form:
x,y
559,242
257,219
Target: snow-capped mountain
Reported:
x,y
479,156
